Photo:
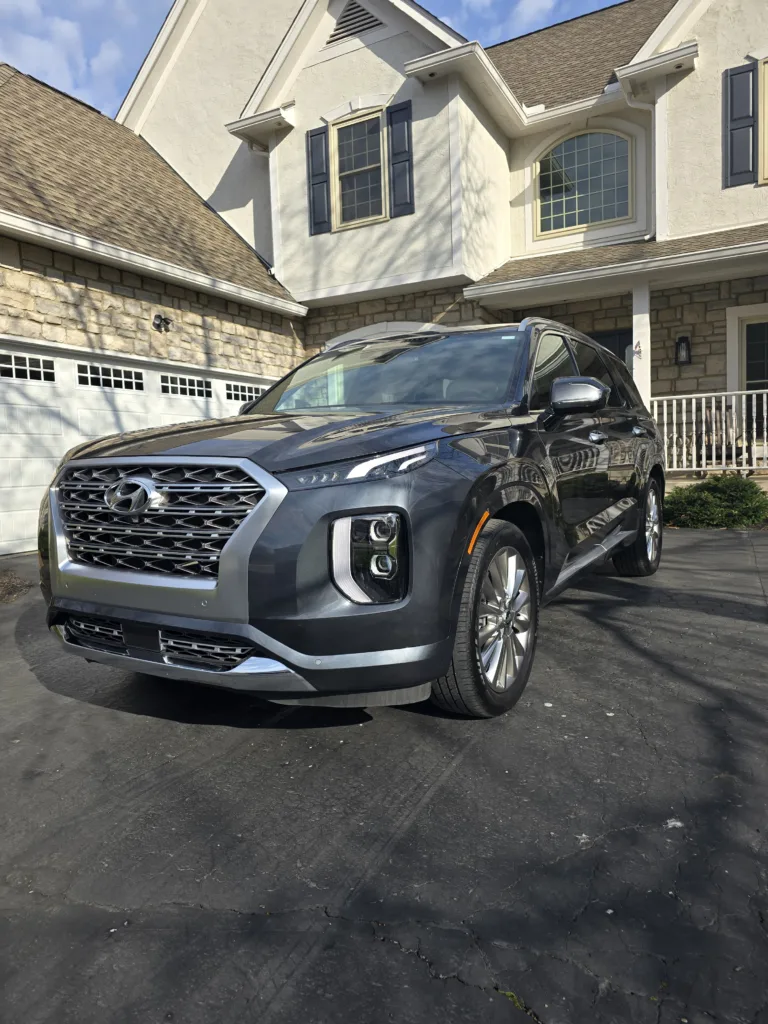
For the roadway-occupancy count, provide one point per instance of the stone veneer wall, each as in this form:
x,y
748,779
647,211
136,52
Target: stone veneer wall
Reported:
x,y
447,306
697,310
585,315
52,296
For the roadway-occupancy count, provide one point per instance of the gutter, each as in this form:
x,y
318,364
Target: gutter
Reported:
x,y
29,230
612,270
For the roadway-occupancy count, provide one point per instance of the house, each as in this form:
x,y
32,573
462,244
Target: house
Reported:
x,y
608,172
376,168
125,300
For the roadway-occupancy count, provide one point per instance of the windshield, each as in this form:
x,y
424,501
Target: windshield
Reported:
x,y
419,370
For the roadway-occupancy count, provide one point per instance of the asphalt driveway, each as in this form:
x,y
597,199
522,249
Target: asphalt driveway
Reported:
x,y
175,854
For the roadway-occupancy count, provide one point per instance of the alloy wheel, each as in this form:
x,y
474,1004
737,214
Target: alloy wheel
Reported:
x,y
504,619
652,524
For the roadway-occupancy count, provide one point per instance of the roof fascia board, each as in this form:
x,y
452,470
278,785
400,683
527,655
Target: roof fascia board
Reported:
x,y
35,231
444,33
148,65
472,62
646,266
258,129
676,17
682,58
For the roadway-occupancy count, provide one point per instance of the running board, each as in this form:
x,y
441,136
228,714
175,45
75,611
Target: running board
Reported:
x,y
597,554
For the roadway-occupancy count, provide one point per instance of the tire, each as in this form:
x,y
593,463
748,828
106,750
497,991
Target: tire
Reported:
x,y
638,559
468,688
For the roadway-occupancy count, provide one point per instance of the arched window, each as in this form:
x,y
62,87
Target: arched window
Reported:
x,y
584,180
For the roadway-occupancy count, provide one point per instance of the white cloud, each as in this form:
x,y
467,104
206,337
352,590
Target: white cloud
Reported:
x,y
107,61
530,14
29,9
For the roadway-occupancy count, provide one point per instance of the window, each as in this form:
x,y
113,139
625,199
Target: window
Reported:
x,y
592,364
190,387
109,377
553,360
244,392
756,377
423,370
358,167
360,170
584,180
627,382
27,368
762,106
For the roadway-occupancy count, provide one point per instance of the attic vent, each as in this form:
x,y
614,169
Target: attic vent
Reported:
x,y
353,21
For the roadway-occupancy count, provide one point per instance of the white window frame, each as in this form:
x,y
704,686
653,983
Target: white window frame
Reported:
x,y
101,367
538,234
346,122
762,121
737,320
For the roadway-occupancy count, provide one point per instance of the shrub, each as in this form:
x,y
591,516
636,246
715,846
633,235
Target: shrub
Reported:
x,y
729,501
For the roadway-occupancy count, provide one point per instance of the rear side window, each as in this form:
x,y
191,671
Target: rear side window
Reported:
x,y
625,377
592,364
553,360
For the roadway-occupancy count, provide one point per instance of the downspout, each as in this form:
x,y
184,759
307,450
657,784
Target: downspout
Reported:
x,y
651,107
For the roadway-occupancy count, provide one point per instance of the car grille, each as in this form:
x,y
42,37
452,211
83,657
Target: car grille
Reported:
x,y
219,654
202,507
99,634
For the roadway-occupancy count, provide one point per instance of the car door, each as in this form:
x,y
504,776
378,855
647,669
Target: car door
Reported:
x,y
618,422
575,461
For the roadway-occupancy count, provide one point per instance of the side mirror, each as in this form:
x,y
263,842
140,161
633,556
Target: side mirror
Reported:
x,y
578,394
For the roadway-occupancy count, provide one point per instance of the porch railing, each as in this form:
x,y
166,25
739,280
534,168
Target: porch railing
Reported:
x,y
724,430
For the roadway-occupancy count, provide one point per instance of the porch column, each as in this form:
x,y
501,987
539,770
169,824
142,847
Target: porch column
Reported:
x,y
641,339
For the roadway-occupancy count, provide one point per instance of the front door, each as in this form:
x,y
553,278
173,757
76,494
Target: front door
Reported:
x,y
576,462
756,380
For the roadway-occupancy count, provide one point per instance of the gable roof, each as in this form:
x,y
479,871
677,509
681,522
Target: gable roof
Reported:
x,y
576,59
66,165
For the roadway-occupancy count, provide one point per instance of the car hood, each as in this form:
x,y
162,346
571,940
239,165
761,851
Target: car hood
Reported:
x,y
285,441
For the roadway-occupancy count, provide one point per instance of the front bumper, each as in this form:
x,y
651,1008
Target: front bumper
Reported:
x,y
273,670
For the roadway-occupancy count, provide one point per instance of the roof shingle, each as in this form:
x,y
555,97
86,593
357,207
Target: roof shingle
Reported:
x,y
576,59
604,256
69,166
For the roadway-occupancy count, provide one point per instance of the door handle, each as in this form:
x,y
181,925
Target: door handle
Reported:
x,y
639,432
598,437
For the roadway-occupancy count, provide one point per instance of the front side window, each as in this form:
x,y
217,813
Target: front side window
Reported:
x,y
416,371
592,364
359,161
584,180
553,360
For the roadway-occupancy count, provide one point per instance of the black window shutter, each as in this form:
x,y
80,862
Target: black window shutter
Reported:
x,y
399,124
318,181
741,125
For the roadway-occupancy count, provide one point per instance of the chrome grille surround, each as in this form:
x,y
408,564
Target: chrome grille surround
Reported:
x,y
98,634
197,649
203,504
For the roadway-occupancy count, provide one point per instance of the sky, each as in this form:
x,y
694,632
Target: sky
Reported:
x,y
93,48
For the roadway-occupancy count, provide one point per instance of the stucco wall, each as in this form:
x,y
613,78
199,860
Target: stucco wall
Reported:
x,y
420,244
447,307
203,86
697,201
52,296
485,221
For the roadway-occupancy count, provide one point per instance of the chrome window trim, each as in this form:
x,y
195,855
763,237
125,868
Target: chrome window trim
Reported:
x,y
224,599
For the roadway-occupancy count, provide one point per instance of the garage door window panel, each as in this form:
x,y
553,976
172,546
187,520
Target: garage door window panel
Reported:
x,y
187,387
27,368
91,375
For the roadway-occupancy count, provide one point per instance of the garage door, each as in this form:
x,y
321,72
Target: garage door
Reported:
x,y
51,402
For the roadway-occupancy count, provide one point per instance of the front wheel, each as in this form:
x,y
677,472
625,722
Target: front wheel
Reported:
x,y
642,557
497,628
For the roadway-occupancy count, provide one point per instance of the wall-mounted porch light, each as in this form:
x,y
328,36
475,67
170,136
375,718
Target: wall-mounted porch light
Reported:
x,y
683,350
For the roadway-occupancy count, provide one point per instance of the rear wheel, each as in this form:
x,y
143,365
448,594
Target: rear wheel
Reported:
x,y
498,622
642,557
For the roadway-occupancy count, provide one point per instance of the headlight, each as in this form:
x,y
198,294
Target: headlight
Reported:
x,y
379,467
369,558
